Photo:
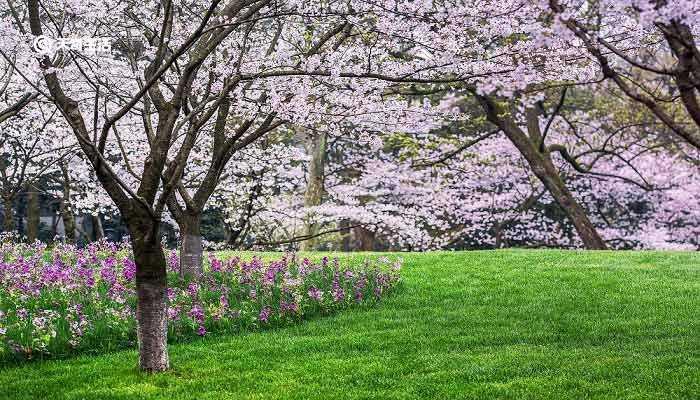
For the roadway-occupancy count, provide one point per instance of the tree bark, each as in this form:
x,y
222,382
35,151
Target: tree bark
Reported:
x,y
345,234
498,235
66,208
682,42
68,221
151,294
33,213
8,208
316,147
549,176
365,237
542,166
191,249
97,229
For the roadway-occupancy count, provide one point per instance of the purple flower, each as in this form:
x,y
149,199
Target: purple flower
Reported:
x,y
129,269
315,293
193,289
265,314
223,300
173,261
289,307
174,313
97,285
201,331
359,287
110,262
216,264
197,313
338,295
337,291
107,274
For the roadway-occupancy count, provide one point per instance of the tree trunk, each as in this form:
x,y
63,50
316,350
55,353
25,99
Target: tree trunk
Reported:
x,y
316,147
66,208
68,221
151,295
345,234
33,213
498,235
97,229
556,187
542,166
365,238
191,251
8,208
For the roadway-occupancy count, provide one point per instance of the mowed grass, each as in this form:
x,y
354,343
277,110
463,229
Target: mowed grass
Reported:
x,y
491,324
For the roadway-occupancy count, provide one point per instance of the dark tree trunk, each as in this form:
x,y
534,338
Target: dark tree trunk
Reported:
x,y
547,173
66,207
237,235
191,251
8,209
316,147
542,166
498,235
346,235
97,229
151,294
682,42
33,213
366,238
68,221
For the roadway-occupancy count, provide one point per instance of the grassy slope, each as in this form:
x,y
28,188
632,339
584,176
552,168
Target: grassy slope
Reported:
x,y
506,324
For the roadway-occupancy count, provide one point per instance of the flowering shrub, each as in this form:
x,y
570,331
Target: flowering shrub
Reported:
x,y
58,301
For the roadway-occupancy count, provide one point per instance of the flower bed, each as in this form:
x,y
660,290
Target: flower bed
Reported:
x,y
64,300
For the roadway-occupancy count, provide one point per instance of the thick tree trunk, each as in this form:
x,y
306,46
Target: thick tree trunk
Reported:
x,y
682,42
316,147
8,209
151,294
33,213
556,187
191,251
542,166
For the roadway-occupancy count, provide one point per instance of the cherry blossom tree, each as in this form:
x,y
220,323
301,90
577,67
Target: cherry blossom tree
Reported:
x,y
647,48
195,82
32,145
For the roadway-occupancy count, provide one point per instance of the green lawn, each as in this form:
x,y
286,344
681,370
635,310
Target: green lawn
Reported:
x,y
494,324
